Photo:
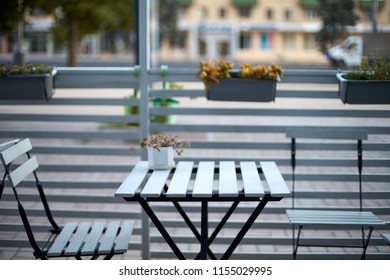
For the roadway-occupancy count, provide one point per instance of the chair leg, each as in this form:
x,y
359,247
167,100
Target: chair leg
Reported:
x,y
108,257
366,241
296,242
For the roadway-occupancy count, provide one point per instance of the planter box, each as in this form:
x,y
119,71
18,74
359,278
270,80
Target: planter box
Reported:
x,y
27,87
236,89
160,160
363,91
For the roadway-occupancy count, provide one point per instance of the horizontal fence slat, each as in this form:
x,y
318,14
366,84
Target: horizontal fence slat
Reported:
x,y
70,118
93,141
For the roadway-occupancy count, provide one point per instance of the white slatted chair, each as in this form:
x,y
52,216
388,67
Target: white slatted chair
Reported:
x,y
86,239
330,219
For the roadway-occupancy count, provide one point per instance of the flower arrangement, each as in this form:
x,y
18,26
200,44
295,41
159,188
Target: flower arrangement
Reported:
x,y
27,69
157,141
376,69
210,72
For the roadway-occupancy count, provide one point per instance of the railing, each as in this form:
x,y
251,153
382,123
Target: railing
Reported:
x,y
86,146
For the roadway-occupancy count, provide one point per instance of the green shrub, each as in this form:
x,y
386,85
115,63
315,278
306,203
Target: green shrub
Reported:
x,y
377,69
27,69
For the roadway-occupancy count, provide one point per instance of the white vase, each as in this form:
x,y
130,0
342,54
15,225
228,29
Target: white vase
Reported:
x,y
162,159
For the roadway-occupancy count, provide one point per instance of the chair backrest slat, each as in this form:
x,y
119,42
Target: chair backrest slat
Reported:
x,y
23,171
328,133
6,145
12,153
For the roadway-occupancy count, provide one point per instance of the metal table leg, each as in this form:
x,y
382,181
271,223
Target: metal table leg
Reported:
x,y
161,229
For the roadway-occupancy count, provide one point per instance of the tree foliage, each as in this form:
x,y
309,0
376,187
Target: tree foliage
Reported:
x,y
10,13
77,18
336,16
73,18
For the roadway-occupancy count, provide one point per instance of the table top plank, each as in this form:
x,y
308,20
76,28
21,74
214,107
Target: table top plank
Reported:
x,y
251,179
133,180
180,180
156,183
276,183
227,179
203,185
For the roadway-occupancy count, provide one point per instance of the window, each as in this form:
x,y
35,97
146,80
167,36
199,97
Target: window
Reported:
x,y
38,42
222,13
223,49
265,42
202,47
288,41
245,12
203,13
269,14
309,41
245,41
180,40
311,14
288,15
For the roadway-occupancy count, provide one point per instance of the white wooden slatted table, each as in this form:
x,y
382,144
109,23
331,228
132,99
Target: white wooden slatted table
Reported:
x,y
205,182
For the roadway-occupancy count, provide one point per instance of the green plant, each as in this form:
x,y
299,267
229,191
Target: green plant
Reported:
x,y
159,140
377,69
27,69
209,72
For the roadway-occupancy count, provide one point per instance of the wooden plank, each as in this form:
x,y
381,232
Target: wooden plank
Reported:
x,y
92,239
275,181
62,239
77,239
106,244
203,186
251,179
13,152
327,133
122,243
227,179
134,180
180,180
23,171
156,183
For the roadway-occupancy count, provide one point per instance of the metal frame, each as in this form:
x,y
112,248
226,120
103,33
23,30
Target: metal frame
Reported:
x,y
43,252
203,237
365,240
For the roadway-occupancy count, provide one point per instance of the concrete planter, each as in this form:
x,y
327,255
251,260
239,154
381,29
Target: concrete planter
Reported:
x,y
27,87
363,91
249,90
160,160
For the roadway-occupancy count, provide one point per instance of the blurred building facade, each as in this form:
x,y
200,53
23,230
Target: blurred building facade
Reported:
x,y
280,31
259,30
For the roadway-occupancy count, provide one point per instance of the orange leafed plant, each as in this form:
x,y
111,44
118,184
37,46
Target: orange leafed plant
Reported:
x,y
209,72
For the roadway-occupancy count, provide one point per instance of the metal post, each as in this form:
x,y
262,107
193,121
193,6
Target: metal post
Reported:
x,y
136,31
374,16
19,55
144,60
